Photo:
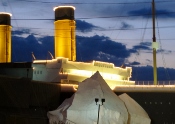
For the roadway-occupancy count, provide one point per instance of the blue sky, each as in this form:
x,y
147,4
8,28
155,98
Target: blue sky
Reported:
x,y
121,30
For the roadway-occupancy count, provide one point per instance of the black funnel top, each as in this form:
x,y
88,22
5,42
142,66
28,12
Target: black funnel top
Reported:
x,y
64,12
5,19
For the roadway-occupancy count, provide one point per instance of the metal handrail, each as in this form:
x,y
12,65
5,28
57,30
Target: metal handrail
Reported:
x,y
158,82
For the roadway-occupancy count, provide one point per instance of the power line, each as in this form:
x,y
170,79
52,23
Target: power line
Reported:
x,y
136,28
172,26
32,19
112,3
103,17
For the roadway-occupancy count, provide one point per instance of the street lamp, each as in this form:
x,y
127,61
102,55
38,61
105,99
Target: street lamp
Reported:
x,y
102,101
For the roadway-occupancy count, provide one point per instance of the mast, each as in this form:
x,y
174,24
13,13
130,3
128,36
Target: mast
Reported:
x,y
154,44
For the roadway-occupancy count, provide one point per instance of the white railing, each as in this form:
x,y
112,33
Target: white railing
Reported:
x,y
158,83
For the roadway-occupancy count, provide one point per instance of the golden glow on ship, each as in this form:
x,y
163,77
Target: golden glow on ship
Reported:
x,y
78,71
85,73
130,88
43,61
65,43
144,88
68,87
5,41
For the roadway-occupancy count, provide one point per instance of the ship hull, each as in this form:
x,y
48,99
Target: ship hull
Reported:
x,y
24,101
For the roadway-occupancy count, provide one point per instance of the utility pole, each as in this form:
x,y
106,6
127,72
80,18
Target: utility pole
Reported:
x,y
154,44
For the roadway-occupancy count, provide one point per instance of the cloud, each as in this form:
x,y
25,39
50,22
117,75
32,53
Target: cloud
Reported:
x,y
147,13
145,73
143,12
98,48
164,51
84,26
101,48
134,63
4,3
22,47
21,32
125,26
148,47
143,46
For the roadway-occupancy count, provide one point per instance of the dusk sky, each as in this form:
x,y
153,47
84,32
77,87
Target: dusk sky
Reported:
x,y
118,31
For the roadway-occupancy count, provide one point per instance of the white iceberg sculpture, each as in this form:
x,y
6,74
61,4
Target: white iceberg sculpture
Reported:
x,y
137,114
82,108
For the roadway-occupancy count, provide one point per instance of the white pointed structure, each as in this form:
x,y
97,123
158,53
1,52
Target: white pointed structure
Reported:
x,y
81,108
137,115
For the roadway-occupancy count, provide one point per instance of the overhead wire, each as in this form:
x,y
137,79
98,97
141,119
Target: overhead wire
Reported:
x,y
15,22
162,54
137,55
138,2
103,17
109,29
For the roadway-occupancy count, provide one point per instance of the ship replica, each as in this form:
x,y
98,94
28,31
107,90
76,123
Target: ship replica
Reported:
x,y
64,68
30,90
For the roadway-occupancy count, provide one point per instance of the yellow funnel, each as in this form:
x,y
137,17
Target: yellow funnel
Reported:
x,y
5,37
65,44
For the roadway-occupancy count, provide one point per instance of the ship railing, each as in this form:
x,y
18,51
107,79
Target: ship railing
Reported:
x,y
152,83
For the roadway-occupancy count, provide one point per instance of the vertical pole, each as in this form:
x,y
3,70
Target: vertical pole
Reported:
x,y
7,49
98,113
154,40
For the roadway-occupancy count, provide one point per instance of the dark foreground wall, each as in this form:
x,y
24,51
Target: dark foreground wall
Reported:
x,y
26,102
160,106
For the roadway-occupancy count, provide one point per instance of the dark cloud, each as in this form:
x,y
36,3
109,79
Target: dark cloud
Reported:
x,y
23,47
128,9
143,46
4,3
134,63
125,26
147,13
21,32
145,73
101,48
164,51
148,47
88,48
143,12
165,14
84,26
